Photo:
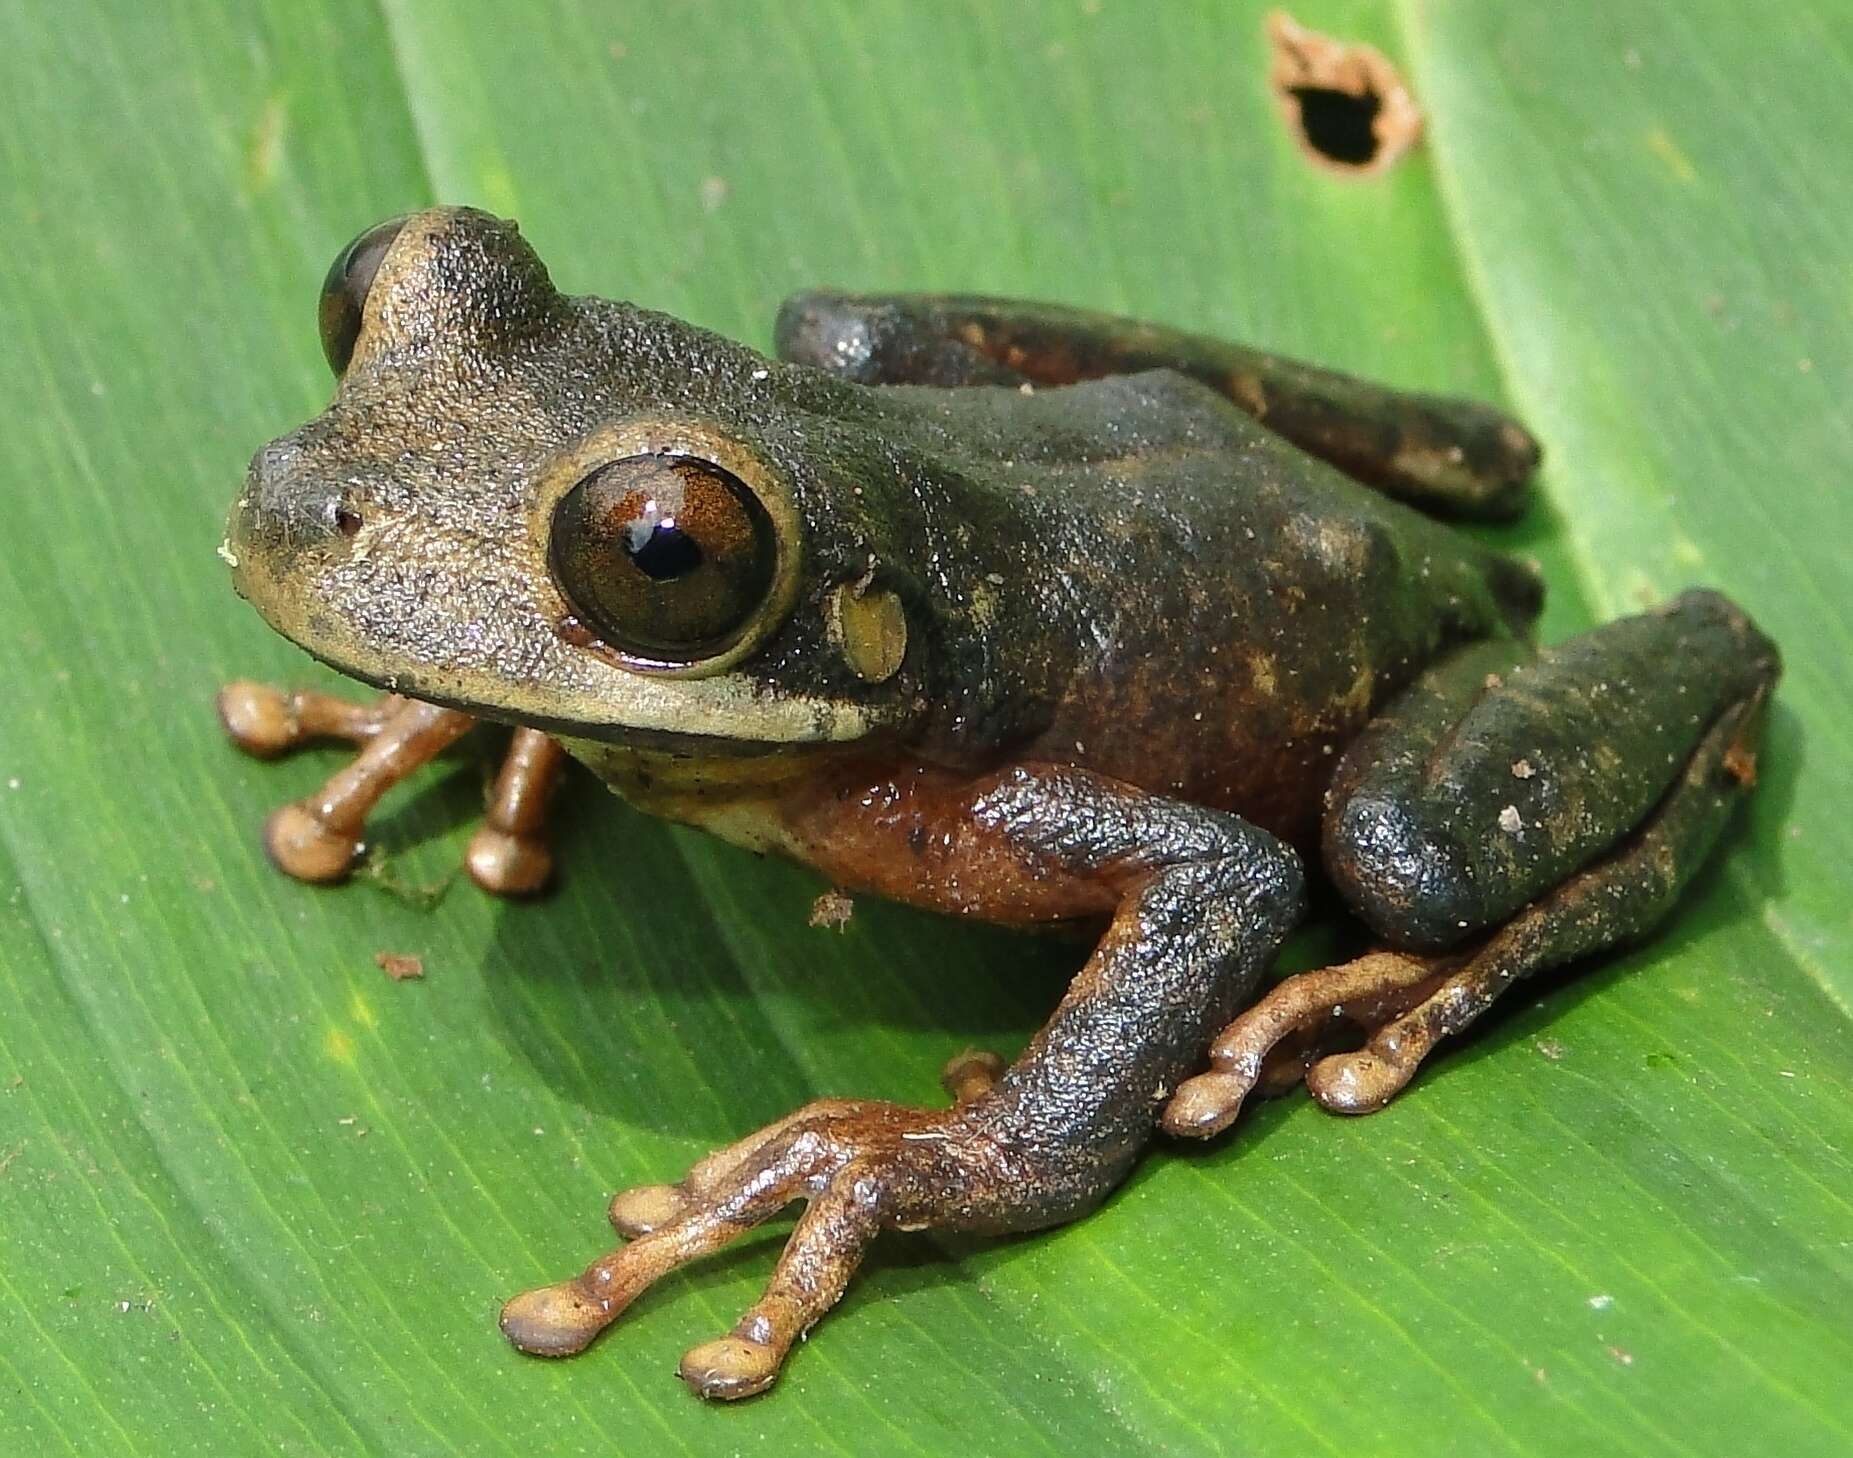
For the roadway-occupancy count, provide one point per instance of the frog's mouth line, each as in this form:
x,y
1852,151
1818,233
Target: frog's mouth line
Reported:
x,y
667,741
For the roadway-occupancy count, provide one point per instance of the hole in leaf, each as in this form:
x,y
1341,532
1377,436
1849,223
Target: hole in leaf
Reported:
x,y
1347,106
1339,127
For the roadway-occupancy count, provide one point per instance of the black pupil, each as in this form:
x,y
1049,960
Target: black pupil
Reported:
x,y
660,548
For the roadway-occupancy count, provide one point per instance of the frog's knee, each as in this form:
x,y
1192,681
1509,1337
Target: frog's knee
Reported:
x,y
1400,869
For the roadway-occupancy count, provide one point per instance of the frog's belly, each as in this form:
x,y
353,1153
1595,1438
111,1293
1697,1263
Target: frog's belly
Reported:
x,y
908,833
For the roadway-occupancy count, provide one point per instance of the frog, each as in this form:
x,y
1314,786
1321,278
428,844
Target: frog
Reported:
x,y
1014,611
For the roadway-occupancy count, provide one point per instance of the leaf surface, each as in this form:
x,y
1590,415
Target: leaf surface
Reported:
x,y
256,1197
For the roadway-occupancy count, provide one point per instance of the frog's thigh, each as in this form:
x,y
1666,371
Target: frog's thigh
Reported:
x,y
1458,456
1559,804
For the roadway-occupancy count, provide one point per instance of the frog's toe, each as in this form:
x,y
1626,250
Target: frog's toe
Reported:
x,y
1206,1105
509,855
1357,1083
644,1208
303,844
555,1321
319,838
505,864
257,718
1277,1041
729,1368
971,1074
266,721
859,1166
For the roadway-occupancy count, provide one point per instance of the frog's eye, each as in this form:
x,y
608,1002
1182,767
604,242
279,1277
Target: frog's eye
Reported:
x,y
666,557
344,291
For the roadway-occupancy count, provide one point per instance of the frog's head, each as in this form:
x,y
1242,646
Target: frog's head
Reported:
x,y
577,514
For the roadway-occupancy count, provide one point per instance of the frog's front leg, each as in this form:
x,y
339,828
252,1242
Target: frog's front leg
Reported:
x,y
1505,816
1203,900
319,838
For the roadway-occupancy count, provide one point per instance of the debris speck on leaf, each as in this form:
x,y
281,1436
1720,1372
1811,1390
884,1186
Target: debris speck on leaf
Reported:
x,y
400,966
1510,820
832,910
1522,770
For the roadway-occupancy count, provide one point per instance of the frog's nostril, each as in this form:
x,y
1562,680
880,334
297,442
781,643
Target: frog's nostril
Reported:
x,y
289,505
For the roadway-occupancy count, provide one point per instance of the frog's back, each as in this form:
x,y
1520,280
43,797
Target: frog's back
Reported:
x,y
1235,609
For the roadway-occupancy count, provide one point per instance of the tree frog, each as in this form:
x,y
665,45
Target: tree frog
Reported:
x,y
1010,610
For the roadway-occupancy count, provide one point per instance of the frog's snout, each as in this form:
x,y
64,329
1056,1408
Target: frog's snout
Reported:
x,y
286,519
284,512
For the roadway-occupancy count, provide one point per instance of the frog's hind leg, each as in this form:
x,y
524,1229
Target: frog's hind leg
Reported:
x,y
1496,824
1454,456
319,838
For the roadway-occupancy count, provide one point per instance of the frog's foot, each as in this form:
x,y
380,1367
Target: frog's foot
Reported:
x,y
320,837
638,1211
862,1167
1280,1040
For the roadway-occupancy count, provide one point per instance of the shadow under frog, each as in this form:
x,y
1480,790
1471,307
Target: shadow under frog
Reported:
x,y
1010,611
575,1015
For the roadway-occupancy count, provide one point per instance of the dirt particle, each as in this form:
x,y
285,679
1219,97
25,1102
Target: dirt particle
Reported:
x,y
1347,106
400,966
1522,770
1510,821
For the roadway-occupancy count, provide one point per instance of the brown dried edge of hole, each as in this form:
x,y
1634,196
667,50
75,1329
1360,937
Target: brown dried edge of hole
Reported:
x,y
1303,58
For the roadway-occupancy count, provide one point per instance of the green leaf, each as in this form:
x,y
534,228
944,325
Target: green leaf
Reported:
x,y
255,1197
